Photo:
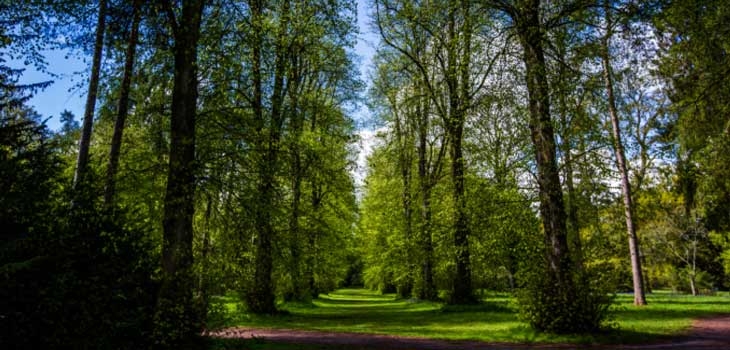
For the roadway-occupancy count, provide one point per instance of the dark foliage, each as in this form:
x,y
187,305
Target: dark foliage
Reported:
x,y
70,279
28,174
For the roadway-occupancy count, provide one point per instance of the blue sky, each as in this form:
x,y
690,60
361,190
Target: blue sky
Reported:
x,y
68,91
63,94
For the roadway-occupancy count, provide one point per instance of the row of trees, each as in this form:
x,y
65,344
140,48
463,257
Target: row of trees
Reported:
x,y
223,136
218,160
600,115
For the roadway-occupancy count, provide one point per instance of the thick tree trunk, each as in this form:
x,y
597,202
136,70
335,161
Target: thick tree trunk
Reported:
x,y
176,319
122,107
457,78
82,160
262,299
638,280
552,209
462,289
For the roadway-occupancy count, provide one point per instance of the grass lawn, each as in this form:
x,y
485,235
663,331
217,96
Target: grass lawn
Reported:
x,y
363,311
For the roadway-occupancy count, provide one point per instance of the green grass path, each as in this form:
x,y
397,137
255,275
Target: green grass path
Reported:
x,y
364,311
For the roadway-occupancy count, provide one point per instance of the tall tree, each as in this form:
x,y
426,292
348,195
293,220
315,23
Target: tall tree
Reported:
x,y
122,105
693,62
430,156
176,319
559,289
618,147
458,77
85,140
526,15
268,128
450,26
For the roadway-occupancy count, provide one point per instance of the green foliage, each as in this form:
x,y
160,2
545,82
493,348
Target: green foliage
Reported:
x,y
506,234
65,272
175,321
277,89
548,306
29,172
87,275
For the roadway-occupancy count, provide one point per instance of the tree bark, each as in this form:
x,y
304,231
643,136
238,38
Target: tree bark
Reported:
x,y
457,78
122,107
552,208
261,298
177,321
82,159
636,272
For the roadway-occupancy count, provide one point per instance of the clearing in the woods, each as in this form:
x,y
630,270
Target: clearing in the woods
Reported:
x,y
357,318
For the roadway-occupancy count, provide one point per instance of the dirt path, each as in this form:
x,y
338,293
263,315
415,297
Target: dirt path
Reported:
x,y
707,333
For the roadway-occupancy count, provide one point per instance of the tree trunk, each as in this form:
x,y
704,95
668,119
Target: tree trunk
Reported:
x,y
458,91
552,209
692,286
122,107
311,241
405,287
295,266
262,299
176,320
462,289
428,289
299,289
82,160
638,280
312,255
573,225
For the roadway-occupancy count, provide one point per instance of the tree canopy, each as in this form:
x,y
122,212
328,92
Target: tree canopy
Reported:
x,y
561,151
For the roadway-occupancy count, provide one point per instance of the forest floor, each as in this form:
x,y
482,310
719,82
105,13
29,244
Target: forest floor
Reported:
x,y
357,319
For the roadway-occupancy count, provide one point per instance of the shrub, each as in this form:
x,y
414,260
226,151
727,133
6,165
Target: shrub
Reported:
x,y
74,289
581,307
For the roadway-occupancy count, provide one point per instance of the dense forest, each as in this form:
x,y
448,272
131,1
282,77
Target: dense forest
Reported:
x,y
562,151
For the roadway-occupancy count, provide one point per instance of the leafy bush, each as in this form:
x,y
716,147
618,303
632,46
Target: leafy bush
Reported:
x,y
583,307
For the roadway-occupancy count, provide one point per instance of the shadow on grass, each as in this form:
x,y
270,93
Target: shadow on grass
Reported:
x,y
495,320
484,306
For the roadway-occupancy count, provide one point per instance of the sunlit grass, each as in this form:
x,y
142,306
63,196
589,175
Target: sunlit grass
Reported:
x,y
496,320
667,313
